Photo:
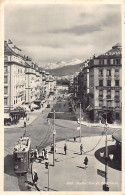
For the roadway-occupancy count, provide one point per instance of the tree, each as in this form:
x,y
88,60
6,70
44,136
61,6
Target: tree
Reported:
x,y
91,115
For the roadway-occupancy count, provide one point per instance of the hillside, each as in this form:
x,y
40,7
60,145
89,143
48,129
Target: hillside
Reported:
x,y
66,70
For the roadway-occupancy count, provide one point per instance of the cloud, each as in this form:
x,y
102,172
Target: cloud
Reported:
x,y
50,33
79,30
108,15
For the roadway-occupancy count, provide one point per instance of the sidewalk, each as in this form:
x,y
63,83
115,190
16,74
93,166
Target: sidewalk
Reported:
x,y
69,174
30,115
88,123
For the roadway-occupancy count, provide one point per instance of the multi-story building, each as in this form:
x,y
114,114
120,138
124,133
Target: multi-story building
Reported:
x,y
30,81
14,76
105,83
99,85
24,81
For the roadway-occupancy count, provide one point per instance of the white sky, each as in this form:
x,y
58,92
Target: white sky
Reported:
x,y
51,33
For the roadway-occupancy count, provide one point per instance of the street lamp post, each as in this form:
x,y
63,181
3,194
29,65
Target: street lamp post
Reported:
x,y
54,132
48,177
47,167
80,125
105,186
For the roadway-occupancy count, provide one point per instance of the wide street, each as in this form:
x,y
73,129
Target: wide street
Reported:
x,y
41,133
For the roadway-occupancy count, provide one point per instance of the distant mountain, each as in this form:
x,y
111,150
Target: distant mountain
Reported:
x,y
66,70
60,64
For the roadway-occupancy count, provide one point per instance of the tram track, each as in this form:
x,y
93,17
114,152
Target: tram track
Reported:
x,y
46,138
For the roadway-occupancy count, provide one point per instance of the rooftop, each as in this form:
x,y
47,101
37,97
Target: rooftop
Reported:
x,y
22,145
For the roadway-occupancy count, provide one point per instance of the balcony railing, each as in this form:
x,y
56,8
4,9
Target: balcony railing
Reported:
x,y
117,97
116,75
108,96
100,96
100,75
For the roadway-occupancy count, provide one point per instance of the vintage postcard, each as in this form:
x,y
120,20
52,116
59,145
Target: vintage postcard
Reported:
x,y
62,107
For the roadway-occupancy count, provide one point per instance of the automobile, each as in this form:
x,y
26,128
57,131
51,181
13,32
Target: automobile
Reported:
x,y
48,105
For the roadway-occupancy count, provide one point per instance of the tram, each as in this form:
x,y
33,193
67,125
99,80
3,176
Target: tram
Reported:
x,y
21,155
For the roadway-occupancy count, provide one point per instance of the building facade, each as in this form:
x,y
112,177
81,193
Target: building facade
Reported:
x,y
99,85
24,82
105,83
14,76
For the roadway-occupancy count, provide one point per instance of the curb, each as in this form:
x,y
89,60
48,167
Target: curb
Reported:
x,y
95,125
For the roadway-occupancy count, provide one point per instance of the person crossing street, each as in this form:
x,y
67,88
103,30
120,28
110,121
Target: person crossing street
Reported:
x,y
81,149
65,148
86,162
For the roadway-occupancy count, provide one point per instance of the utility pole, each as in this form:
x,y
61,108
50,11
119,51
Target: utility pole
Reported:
x,y
54,138
106,157
80,125
105,186
48,177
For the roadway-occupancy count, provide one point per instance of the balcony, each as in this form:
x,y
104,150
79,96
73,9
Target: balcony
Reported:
x,y
116,75
100,96
117,97
100,76
108,96
108,76
117,106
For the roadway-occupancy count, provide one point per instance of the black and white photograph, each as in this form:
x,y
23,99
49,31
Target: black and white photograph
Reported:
x,y
63,96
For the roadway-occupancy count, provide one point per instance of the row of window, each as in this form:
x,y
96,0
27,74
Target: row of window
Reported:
x,y
109,103
117,93
117,83
116,61
6,101
19,79
108,72
19,70
6,89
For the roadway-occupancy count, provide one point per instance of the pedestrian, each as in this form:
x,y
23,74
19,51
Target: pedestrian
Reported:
x,y
36,153
46,154
65,148
35,178
32,153
81,149
52,148
86,162
24,124
43,154
74,138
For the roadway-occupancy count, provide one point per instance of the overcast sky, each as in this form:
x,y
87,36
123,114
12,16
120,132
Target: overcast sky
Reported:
x,y
51,33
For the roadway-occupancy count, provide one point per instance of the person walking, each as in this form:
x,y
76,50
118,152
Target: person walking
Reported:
x,y
65,148
43,154
86,162
46,154
81,149
36,153
35,178
24,124
74,138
